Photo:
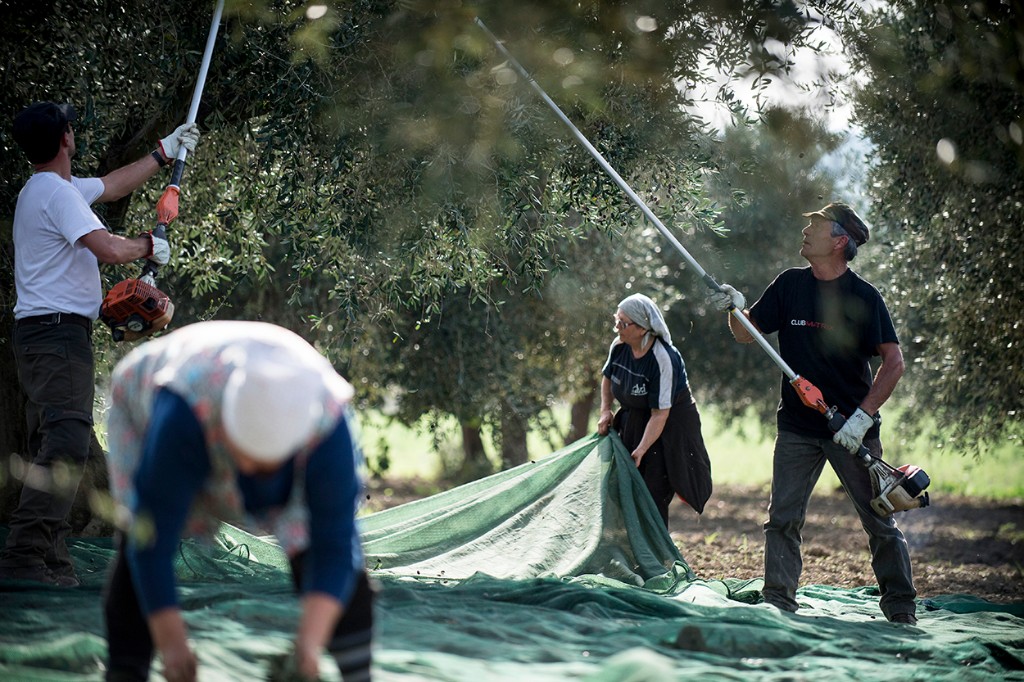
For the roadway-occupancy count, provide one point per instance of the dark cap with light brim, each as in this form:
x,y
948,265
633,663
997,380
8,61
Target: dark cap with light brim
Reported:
x,y
38,129
844,216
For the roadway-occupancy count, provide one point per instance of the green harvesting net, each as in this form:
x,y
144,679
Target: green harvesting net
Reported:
x,y
567,515
555,570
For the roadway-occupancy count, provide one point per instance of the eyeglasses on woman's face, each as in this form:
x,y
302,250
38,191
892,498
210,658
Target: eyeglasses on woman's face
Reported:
x,y
621,324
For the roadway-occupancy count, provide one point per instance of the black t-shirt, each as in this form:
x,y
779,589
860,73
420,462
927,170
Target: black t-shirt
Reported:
x,y
828,332
651,382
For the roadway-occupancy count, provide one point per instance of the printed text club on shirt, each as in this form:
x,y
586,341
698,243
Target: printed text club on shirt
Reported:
x,y
808,323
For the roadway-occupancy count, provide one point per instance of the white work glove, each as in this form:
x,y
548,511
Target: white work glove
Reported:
x,y
186,134
159,249
852,433
727,299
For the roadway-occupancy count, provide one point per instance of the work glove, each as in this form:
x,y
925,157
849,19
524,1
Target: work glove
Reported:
x,y
727,299
186,134
852,433
159,249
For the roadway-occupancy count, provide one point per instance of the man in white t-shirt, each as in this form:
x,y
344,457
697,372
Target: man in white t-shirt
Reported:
x,y
59,243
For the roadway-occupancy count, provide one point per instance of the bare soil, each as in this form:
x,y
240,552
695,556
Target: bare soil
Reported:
x,y
958,545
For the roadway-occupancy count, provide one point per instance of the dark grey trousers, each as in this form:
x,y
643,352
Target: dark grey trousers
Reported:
x,y
798,462
56,371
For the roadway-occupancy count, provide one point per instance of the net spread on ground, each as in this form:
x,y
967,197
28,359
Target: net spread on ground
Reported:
x,y
554,570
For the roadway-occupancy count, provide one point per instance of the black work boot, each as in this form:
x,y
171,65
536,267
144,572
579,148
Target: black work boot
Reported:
x,y
58,559
37,530
904,618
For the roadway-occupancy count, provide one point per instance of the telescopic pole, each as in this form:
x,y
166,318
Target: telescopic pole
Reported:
x,y
708,280
167,206
204,67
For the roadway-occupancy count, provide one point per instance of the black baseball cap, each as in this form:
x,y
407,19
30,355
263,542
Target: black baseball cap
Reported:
x,y
846,218
38,129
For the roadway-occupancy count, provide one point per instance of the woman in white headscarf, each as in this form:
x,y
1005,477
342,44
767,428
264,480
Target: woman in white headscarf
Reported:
x,y
658,418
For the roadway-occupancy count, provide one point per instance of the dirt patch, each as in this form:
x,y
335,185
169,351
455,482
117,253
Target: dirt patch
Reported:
x,y
958,545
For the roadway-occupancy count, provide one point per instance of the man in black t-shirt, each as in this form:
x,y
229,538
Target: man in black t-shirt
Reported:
x,y
830,323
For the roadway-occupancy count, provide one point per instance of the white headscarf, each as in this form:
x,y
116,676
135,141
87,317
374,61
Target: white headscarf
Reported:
x,y
645,313
272,404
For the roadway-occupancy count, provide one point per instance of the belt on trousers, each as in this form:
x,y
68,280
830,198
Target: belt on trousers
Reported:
x,y
51,319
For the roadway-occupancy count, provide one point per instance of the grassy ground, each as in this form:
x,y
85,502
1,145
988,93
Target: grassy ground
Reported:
x,y
739,457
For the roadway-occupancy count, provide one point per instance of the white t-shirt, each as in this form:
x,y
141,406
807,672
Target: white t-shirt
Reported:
x,y
53,273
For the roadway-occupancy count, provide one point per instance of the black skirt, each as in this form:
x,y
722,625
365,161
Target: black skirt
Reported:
x,y
682,445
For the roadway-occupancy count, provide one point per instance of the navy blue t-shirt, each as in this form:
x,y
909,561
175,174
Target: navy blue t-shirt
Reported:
x,y
651,382
828,333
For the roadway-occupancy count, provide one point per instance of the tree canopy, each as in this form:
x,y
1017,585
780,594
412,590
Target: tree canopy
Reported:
x,y
372,175
943,103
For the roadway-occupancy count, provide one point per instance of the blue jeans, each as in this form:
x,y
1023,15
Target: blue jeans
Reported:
x,y
798,462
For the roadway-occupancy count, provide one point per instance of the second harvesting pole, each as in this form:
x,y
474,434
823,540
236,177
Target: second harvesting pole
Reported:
x,y
708,279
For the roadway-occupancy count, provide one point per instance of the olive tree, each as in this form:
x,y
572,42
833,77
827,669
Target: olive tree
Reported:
x,y
943,103
374,161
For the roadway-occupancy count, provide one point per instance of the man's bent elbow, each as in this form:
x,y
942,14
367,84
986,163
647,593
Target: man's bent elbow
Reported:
x,y
740,332
106,252
892,361
741,335
898,367
101,248
114,250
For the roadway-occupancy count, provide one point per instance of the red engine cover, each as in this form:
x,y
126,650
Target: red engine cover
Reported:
x,y
134,309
